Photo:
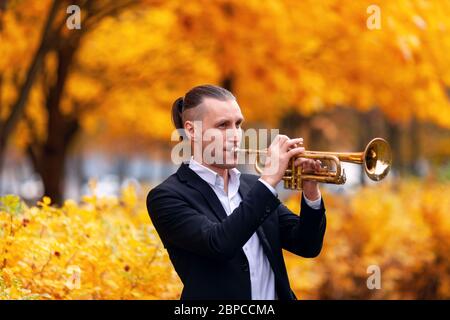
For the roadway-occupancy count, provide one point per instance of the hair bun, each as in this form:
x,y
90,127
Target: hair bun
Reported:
x,y
177,111
180,104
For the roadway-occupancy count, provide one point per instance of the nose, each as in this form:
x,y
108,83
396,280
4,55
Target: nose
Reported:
x,y
232,137
235,135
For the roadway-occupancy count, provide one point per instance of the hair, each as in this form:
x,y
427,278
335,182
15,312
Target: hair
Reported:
x,y
193,98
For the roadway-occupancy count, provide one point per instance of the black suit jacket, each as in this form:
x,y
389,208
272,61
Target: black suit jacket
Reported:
x,y
205,245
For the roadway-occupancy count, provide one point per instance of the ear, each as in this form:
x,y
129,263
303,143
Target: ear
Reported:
x,y
189,130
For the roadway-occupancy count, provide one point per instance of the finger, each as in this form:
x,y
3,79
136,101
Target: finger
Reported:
x,y
308,164
315,165
276,139
293,143
301,161
296,151
318,165
283,139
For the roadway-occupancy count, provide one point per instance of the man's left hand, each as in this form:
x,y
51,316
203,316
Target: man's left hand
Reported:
x,y
310,188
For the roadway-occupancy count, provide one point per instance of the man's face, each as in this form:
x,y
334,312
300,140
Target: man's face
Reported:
x,y
221,132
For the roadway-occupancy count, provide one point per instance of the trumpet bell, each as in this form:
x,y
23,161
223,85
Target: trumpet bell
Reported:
x,y
377,159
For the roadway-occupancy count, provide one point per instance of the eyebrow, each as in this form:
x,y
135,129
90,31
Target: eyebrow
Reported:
x,y
240,119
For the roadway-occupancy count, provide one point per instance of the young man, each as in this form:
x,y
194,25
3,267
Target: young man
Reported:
x,y
225,231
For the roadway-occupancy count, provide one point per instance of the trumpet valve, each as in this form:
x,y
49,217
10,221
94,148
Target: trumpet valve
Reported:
x,y
342,178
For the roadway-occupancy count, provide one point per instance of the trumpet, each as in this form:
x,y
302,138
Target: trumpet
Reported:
x,y
376,160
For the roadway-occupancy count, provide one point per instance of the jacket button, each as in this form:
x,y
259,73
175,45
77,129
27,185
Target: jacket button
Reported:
x,y
245,267
268,209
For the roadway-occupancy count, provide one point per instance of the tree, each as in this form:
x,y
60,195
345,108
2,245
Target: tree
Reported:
x,y
8,124
48,152
117,77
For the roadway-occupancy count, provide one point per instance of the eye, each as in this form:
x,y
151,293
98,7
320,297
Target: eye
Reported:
x,y
222,125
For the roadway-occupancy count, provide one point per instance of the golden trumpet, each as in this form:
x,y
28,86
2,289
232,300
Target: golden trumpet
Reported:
x,y
376,159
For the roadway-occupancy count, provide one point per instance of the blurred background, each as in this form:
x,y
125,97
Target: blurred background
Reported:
x,y
85,116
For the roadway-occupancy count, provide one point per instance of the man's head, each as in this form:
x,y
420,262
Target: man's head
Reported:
x,y
210,117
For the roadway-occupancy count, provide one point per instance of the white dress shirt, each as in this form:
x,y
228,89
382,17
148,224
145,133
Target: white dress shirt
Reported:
x,y
261,274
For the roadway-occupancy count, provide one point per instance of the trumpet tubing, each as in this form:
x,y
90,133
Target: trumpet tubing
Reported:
x,y
376,160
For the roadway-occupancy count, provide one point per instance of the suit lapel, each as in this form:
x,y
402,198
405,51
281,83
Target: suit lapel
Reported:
x,y
194,180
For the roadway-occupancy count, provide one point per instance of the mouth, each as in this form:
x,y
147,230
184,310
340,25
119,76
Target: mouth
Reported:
x,y
232,149
231,154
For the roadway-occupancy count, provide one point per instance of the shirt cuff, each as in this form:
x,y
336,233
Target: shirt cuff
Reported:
x,y
272,189
314,204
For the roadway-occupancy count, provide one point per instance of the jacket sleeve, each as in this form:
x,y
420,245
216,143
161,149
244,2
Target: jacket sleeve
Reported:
x,y
180,225
302,235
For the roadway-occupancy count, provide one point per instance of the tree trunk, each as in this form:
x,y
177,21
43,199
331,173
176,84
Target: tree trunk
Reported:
x,y
2,152
49,157
394,134
415,147
52,173
19,106
364,134
8,126
296,125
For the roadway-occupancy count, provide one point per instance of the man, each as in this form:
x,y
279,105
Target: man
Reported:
x,y
225,231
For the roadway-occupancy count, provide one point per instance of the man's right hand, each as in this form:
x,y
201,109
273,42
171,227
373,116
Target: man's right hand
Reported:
x,y
279,153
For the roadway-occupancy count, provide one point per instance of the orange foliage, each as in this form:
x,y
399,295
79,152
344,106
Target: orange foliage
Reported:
x,y
404,229
103,248
106,248
306,55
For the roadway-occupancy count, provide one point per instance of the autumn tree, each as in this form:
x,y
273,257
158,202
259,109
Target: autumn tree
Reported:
x,y
117,77
297,59
10,118
57,51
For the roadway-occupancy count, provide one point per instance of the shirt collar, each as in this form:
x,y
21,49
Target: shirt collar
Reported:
x,y
213,178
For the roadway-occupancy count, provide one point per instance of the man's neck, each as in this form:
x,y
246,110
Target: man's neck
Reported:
x,y
223,172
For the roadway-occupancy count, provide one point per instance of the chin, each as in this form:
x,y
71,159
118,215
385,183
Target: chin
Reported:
x,y
229,165
224,164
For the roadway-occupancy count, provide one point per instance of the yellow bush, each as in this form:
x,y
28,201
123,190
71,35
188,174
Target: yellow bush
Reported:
x,y
107,248
104,248
402,228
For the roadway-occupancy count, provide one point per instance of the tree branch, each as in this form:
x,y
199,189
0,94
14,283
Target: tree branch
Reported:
x,y
20,104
